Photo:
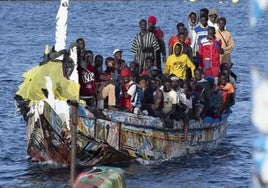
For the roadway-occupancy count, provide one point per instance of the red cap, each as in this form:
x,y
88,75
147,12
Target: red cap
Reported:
x,y
152,19
125,72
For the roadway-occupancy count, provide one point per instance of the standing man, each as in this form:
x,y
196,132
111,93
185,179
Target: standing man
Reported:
x,y
82,47
159,35
192,23
209,54
86,74
200,32
178,62
227,42
175,38
213,18
144,44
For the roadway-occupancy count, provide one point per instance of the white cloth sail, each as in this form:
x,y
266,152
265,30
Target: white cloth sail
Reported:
x,y
61,26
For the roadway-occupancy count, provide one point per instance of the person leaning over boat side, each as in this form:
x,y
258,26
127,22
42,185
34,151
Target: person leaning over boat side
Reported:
x,y
153,99
178,62
209,54
107,84
128,91
227,41
144,44
213,18
86,75
159,35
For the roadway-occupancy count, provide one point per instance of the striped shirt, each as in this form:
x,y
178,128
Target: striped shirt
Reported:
x,y
144,44
199,33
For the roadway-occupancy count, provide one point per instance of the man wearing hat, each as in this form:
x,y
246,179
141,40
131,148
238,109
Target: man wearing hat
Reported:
x,y
213,17
159,35
128,90
155,72
118,58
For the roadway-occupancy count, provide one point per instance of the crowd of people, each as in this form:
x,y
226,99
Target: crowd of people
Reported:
x,y
196,80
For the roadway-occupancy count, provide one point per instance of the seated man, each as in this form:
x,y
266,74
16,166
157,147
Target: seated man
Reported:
x,y
227,92
106,85
214,103
170,98
128,91
153,99
202,86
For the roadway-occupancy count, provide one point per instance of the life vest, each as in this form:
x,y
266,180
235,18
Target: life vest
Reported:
x,y
133,101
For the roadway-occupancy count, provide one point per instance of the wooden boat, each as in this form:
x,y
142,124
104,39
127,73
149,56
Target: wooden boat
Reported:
x,y
102,136
114,136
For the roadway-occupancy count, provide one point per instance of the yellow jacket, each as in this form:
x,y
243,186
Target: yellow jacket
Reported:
x,y
178,64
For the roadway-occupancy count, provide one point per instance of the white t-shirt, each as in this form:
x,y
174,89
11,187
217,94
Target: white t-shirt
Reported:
x,y
170,98
132,89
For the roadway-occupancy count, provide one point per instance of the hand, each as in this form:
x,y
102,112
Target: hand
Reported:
x,y
164,59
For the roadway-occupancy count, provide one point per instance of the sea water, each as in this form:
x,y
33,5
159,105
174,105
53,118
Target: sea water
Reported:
x,y
27,26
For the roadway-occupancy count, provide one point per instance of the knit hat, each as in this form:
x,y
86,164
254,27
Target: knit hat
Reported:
x,y
125,72
152,19
213,11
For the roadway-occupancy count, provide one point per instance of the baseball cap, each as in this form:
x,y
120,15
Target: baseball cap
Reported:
x,y
117,50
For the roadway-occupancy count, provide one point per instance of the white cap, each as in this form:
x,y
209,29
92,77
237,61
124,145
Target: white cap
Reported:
x,y
117,50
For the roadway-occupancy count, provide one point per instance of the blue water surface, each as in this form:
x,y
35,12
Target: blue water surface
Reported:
x,y
27,26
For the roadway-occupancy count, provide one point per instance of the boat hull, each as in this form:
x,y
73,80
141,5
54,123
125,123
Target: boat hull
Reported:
x,y
120,137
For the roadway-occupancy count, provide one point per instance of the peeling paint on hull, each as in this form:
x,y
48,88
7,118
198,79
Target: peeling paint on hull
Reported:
x,y
120,137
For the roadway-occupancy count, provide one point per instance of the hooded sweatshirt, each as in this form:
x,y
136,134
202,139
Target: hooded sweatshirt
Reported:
x,y
210,23
177,64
